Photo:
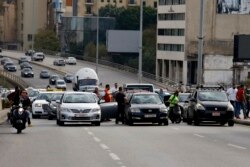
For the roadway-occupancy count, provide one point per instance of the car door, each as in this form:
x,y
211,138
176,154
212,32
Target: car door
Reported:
x,y
108,110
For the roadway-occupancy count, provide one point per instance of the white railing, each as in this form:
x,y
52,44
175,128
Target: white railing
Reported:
x,y
14,79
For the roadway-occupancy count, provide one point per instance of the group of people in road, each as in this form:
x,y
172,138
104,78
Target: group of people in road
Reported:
x,y
240,99
114,94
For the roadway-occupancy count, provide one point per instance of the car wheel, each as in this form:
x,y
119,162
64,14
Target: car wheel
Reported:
x,y
223,123
50,117
35,116
60,123
178,120
189,120
130,122
166,123
231,123
96,123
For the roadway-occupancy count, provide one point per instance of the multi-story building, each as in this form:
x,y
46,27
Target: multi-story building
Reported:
x,y
8,25
177,42
89,7
32,15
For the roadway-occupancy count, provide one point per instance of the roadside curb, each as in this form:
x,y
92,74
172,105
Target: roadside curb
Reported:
x,y
3,115
242,122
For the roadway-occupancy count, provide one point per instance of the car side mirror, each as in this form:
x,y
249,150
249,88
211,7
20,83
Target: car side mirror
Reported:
x,y
58,101
186,101
193,100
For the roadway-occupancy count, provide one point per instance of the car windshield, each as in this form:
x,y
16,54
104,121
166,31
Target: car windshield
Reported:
x,y
54,76
56,97
79,98
146,99
44,96
212,96
26,70
60,82
183,97
44,72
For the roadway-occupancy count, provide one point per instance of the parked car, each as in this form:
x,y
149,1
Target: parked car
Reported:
x,y
23,59
78,107
25,65
61,84
71,60
38,56
68,78
209,105
29,52
44,74
145,107
53,78
9,66
27,72
59,62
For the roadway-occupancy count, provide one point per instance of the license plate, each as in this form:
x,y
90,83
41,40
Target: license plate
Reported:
x,y
150,116
216,114
80,115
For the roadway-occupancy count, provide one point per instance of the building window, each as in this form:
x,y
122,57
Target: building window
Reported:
x,y
88,10
120,1
172,2
172,16
171,32
68,2
102,0
29,37
155,4
171,47
108,1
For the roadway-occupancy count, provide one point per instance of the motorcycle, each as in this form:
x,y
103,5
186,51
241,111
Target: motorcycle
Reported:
x,y
175,115
19,119
10,113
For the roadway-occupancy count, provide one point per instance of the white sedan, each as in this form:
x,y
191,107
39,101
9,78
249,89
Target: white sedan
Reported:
x,y
71,60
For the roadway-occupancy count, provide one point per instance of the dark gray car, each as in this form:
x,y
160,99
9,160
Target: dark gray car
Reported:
x,y
25,65
27,72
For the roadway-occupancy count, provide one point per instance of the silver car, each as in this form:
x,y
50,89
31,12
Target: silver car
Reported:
x,y
78,107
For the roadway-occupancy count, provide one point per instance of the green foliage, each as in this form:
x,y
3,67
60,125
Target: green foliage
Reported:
x,y
47,40
90,50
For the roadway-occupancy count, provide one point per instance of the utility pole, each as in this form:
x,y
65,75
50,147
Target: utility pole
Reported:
x,y
140,44
97,37
33,24
200,45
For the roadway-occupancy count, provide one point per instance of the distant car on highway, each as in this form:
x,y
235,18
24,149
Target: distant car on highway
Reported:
x,y
61,84
9,66
38,56
71,60
59,62
78,107
145,107
25,65
5,59
27,72
44,74
53,78
23,59
68,78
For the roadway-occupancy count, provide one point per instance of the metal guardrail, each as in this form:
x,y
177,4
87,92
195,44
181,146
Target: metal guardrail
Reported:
x,y
13,78
160,81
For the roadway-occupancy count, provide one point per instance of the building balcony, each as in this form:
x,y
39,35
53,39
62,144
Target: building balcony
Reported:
x,y
132,3
89,2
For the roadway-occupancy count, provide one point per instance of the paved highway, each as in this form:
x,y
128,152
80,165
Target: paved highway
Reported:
x,y
110,145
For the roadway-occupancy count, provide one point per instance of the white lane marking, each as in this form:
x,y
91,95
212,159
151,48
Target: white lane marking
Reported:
x,y
199,135
123,166
236,146
176,128
114,157
103,146
97,139
90,133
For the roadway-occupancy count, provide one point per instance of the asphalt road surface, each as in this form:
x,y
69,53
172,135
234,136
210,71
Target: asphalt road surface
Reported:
x,y
110,145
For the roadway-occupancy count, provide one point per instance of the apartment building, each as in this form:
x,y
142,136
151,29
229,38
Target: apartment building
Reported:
x,y
8,25
177,43
32,15
89,7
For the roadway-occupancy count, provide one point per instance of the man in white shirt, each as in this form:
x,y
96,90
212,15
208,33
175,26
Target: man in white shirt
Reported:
x,y
114,90
231,93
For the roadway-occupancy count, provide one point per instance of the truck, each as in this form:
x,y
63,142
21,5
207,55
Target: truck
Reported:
x,y
85,79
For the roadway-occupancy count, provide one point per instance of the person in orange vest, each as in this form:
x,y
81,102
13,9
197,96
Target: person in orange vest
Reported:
x,y
107,97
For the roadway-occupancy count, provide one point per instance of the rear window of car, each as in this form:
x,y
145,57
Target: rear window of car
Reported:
x,y
213,96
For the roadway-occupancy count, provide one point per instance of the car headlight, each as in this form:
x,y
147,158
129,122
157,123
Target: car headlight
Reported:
x,y
25,73
135,110
230,107
164,110
65,110
200,107
96,110
38,105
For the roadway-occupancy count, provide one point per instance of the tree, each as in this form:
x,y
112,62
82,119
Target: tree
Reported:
x,y
46,39
90,50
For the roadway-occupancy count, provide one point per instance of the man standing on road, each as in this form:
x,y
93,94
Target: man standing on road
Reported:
x,y
240,102
121,100
107,96
114,90
231,93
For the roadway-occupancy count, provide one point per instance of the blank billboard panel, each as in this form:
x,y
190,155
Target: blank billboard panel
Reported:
x,y
242,48
122,41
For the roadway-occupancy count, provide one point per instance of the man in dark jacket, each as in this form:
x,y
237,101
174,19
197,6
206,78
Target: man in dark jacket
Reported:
x,y
25,100
14,96
121,100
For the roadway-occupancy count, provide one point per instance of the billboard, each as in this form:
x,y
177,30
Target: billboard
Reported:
x,y
233,6
122,41
241,48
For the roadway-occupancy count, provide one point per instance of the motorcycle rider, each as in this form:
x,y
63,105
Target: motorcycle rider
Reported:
x,y
14,100
26,103
173,102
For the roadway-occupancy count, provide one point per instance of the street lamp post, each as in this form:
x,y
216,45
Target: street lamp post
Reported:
x,y
97,36
140,44
33,25
200,45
